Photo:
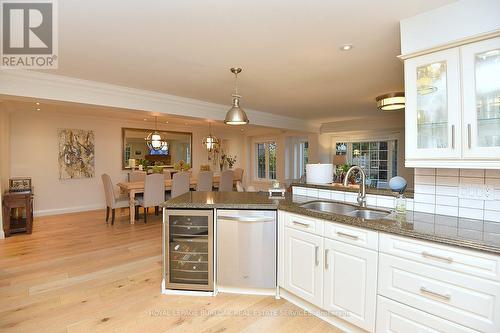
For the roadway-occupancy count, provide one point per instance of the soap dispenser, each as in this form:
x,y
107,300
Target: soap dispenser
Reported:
x,y
398,184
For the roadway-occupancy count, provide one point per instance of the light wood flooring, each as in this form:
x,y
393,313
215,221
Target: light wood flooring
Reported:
x,y
77,274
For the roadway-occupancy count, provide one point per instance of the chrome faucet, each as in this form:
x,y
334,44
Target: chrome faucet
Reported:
x,y
362,188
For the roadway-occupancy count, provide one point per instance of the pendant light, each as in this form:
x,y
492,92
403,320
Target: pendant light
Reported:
x,y
236,115
210,142
154,140
391,102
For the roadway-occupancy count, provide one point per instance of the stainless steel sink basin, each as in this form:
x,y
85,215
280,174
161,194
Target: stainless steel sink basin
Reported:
x,y
368,214
345,209
330,207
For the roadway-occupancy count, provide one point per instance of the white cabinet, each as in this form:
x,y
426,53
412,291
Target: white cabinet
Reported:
x,y
303,269
350,282
453,107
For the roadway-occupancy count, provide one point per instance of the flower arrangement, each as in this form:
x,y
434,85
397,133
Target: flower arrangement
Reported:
x,y
205,167
182,166
230,160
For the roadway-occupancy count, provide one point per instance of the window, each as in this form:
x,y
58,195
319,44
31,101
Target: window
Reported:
x,y
377,158
265,160
304,157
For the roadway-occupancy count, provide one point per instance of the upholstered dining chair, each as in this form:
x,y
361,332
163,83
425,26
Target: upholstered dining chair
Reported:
x,y
154,193
137,176
238,174
205,181
112,200
226,181
180,184
239,187
167,174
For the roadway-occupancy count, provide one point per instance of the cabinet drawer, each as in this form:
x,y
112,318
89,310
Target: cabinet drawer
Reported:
x,y
352,235
394,317
308,224
453,258
463,299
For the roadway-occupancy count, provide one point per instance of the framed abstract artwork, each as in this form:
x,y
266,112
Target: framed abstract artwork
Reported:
x,y
76,153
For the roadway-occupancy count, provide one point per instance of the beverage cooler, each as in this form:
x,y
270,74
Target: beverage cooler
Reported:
x,y
188,250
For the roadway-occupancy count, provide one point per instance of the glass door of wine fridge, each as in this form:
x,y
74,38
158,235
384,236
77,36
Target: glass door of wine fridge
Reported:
x,y
189,249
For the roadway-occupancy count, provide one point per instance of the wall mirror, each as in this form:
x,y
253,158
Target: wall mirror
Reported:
x,y
135,150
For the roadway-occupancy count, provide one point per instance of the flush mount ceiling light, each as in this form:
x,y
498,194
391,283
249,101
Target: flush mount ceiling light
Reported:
x,y
391,101
210,142
154,140
346,47
236,115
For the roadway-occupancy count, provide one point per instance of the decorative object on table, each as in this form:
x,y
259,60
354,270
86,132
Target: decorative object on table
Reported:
x,y
222,161
157,168
205,167
391,101
20,184
143,164
230,160
236,115
343,171
277,192
318,173
17,212
182,166
131,163
210,142
398,184
154,141
76,153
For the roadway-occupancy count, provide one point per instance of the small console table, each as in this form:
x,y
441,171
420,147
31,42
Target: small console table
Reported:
x,y
17,212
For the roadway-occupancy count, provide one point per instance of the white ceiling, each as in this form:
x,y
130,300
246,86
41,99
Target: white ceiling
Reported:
x,y
289,50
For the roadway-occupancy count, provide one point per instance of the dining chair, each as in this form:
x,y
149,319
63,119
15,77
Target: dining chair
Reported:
x,y
137,176
226,181
238,174
180,184
239,187
167,174
112,200
205,181
154,193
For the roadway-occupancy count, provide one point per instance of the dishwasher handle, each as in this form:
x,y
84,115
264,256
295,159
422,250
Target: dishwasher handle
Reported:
x,y
247,218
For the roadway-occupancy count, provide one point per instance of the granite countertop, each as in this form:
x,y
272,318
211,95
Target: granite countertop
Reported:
x,y
467,233
352,188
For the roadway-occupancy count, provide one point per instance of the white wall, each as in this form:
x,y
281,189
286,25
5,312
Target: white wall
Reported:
x,y
4,156
34,151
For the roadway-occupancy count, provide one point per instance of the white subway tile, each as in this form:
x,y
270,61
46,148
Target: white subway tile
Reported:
x,y
471,213
425,189
423,207
427,180
471,203
338,195
297,190
409,204
312,192
427,172
472,173
425,198
386,202
492,205
447,190
496,194
447,181
471,181
492,173
471,234
447,172
371,200
446,200
492,216
446,210
351,197
324,194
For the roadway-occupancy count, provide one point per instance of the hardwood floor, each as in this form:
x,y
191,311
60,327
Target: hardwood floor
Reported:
x,y
77,274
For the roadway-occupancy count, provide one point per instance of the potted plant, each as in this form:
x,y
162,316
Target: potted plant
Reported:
x,y
343,171
182,166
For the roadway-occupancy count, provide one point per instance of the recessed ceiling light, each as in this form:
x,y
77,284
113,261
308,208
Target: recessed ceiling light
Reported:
x,y
37,103
166,122
38,109
145,119
346,47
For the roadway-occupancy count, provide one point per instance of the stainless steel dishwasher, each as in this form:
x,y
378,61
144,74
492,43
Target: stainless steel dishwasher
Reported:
x,y
246,251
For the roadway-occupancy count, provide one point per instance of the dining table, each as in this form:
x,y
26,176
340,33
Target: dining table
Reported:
x,y
133,188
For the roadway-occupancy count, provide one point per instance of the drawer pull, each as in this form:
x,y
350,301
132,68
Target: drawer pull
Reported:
x,y
428,255
341,234
316,249
445,297
302,224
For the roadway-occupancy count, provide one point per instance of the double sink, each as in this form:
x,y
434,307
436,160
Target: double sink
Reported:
x,y
345,209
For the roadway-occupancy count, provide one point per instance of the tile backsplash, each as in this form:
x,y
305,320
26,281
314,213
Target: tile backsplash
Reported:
x,y
468,193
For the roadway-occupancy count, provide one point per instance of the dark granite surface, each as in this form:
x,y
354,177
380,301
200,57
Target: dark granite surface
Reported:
x,y
466,233
352,188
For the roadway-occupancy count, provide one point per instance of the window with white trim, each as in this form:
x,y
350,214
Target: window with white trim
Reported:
x,y
265,160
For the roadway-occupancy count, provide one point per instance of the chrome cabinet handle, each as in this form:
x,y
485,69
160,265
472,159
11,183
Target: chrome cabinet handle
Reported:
x,y
469,135
426,291
301,224
341,234
428,255
326,258
316,261
452,136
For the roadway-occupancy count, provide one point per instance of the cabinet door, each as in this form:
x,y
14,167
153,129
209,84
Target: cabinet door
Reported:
x,y
481,98
433,108
303,265
350,283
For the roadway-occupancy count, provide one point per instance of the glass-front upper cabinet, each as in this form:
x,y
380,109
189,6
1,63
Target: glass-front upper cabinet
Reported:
x,y
481,98
433,106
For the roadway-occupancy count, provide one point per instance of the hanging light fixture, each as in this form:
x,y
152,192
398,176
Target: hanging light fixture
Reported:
x,y
154,140
391,101
210,142
236,115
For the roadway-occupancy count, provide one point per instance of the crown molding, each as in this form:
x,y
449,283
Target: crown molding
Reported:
x,y
30,84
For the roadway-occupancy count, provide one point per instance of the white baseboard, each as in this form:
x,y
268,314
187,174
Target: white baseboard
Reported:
x,y
75,209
